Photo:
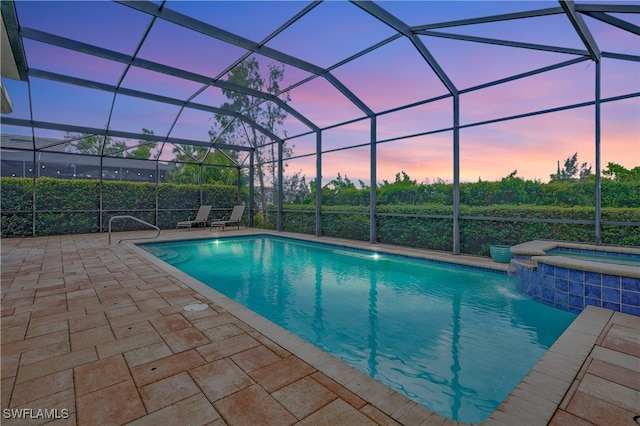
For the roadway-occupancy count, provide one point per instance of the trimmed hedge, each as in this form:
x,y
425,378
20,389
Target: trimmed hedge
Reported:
x,y
431,226
73,206
16,197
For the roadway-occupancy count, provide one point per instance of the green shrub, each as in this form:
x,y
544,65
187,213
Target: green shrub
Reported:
x,y
17,224
303,222
345,225
178,196
73,206
431,226
66,223
60,194
16,194
128,195
415,220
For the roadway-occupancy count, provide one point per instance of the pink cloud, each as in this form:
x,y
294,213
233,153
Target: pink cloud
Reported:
x,y
420,119
353,163
532,146
391,76
303,145
424,157
323,104
550,90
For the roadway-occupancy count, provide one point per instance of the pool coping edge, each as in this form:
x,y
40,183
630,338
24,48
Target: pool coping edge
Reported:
x,y
551,380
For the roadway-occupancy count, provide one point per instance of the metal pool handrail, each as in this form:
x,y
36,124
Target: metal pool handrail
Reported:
x,y
136,219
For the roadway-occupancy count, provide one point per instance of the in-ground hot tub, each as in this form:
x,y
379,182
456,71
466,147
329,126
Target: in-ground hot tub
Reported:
x,y
571,276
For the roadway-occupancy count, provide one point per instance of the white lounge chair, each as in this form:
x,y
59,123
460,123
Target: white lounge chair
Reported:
x,y
200,221
234,219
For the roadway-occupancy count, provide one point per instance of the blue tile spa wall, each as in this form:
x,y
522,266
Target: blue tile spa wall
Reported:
x,y
572,289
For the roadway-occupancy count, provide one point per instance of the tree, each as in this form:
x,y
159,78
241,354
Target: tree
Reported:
x,y
295,189
106,145
340,184
143,151
619,173
402,179
93,144
222,168
570,169
187,168
403,190
217,166
267,114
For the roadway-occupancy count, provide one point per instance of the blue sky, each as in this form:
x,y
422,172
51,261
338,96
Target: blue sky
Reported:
x,y
391,76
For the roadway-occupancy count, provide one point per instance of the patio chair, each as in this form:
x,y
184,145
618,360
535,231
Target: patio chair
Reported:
x,y
200,221
234,219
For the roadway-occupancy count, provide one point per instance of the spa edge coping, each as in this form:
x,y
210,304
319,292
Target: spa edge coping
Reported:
x,y
536,251
540,247
530,402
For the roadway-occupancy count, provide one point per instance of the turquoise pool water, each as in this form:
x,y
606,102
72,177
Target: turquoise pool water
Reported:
x,y
598,256
454,339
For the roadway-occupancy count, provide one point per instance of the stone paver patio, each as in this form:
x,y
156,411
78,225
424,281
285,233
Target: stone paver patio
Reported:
x,y
97,334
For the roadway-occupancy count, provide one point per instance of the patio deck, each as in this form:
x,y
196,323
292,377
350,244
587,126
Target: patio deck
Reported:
x,y
97,334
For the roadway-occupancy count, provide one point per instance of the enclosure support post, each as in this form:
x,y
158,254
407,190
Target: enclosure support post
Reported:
x,y
318,183
598,188
280,186
33,195
101,202
456,173
201,189
372,194
251,190
157,222
239,183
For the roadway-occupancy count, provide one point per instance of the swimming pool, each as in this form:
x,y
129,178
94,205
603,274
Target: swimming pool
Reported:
x,y
454,339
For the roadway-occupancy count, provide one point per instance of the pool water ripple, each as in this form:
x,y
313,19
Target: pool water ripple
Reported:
x,y
456,340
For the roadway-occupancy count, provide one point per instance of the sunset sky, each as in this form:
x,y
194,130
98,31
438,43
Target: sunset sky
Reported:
x,y
391,76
